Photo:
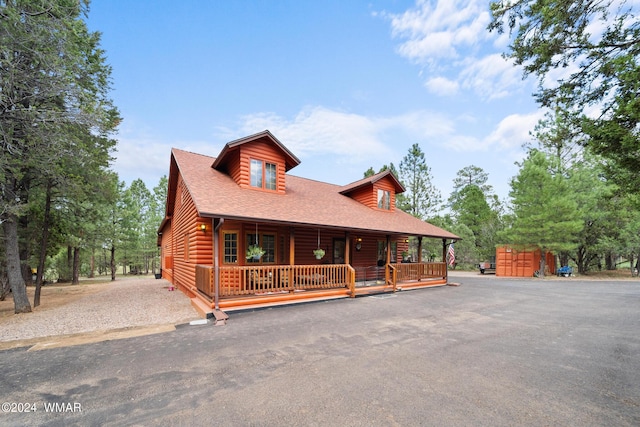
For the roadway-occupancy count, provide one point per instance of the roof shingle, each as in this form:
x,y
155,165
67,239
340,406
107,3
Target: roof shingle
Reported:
x,y
306,202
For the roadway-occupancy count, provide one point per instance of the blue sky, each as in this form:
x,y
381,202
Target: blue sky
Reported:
x,y
345,85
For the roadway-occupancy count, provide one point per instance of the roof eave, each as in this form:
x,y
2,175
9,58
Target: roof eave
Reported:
x,y
291,160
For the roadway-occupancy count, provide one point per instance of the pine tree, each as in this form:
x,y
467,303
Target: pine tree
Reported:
x,y
545,214
421,198
53,90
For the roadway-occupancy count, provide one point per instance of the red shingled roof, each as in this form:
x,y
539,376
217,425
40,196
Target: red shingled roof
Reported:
x,y
306,202
372,180
291,160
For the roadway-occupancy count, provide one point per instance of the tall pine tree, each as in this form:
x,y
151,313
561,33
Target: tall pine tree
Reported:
x,y
545,213
421,198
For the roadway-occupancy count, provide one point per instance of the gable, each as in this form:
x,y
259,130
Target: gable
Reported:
x,y
373,191
260,155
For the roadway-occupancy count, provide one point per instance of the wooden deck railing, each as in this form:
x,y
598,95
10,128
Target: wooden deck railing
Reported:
x,y
419,271
391,277
260,280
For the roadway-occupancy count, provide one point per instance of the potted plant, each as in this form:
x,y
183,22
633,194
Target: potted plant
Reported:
x,y
255,252
319,253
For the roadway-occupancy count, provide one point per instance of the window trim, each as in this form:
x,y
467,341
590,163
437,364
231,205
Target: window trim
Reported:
x,y
224,246
263,165
249,239
384,203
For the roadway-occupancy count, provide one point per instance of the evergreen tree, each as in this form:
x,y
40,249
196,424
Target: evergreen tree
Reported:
x,y
421,198
471,175
370,172
54,87
472,210
546,215
591,51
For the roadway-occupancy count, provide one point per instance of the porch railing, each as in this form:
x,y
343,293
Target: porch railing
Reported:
x,y
260,280
263,280
406,272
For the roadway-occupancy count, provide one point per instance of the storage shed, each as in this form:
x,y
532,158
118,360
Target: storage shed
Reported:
x,y
522,263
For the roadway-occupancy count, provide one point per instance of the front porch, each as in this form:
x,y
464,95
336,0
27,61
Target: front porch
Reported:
x,y
239,287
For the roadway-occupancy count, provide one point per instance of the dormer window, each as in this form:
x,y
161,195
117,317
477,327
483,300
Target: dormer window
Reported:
x,y
263,174
384,199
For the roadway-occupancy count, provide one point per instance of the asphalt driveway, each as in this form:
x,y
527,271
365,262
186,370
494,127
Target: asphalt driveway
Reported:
x,y
487,353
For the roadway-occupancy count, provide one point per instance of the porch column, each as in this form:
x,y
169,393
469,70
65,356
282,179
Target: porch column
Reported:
x,y
444,251
347,248
388,260
419,249
292,255
216,224
292,246
387,272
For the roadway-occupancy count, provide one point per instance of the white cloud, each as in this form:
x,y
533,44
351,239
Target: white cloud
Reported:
x,y
142,154
442,86
142,158
492,77
344,143
319,130
440,29
438,33
513,131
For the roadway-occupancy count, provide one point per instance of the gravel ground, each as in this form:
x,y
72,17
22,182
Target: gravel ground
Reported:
x,y
125,303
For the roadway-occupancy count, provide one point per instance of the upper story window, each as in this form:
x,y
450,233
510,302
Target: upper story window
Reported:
x,y
384,199
263,174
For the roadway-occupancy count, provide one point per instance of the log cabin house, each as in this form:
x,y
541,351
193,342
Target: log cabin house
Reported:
x,y
218,208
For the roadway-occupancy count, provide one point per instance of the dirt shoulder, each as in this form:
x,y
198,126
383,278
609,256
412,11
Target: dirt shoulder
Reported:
x,y
94,311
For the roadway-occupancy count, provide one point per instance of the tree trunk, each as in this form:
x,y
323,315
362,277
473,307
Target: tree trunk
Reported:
x,y
92,264
14,273
25,267
543,259
610,261
65,275
76,267
581,260
113,263
43,246
27,273
69,263
4,285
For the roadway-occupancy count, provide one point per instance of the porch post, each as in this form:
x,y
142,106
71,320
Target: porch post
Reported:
x,y
216,224
292,255
292,246
420,249
387,271
388,260
347,248
444,258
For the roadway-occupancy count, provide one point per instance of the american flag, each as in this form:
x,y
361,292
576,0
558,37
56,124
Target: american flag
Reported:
x,y
452,255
